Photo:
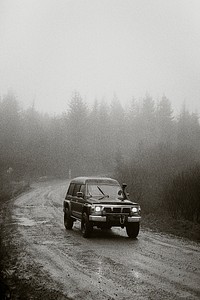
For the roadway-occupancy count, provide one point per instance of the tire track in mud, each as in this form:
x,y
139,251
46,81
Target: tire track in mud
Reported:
x,y
73,284
109,265
133,274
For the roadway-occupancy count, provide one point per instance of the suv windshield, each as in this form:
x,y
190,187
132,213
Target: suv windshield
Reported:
x,y
103,190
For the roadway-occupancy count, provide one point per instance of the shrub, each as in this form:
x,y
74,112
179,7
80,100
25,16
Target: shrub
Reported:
x,y
181,196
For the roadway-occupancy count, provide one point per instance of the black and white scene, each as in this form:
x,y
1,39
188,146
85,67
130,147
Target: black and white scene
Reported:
x,y
99,149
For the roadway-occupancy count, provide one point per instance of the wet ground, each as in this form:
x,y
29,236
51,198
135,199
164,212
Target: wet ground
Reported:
x,y
109,265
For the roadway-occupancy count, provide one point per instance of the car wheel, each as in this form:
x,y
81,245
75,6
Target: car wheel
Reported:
x,y
132,230
86,226
68,221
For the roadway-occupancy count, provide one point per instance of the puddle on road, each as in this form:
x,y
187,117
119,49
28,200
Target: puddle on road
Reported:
x,y
27,222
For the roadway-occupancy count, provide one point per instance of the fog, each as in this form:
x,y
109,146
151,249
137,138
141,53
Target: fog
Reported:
x,y
120,83
49,49
107,88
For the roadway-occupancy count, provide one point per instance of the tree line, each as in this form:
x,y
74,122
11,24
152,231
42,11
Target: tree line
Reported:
x,y
145,145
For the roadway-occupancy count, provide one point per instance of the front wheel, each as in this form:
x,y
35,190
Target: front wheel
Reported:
x,y
68,221
132,230
86,226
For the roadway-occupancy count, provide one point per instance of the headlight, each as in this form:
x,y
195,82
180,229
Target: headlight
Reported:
x,y
134,209
97,208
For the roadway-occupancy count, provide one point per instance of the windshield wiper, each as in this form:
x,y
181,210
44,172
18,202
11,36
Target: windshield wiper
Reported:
x,y
104,195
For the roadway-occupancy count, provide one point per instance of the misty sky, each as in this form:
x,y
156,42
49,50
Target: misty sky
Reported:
x,y
49,48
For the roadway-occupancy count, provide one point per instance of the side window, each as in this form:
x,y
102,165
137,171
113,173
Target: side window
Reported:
x,y
76,189
71,188
82,189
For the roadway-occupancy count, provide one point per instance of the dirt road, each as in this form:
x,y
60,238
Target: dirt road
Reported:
x,y
107,266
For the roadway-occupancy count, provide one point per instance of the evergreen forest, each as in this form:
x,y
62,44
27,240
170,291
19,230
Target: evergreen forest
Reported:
x,y
155,151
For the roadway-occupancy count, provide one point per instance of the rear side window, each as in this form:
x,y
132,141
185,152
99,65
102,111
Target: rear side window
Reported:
x,y
76,189
71,188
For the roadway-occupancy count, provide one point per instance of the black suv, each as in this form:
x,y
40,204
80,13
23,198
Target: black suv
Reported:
x,y
100,202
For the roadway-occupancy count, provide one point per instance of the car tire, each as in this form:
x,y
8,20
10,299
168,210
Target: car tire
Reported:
x,y
132,230
68,221
86,226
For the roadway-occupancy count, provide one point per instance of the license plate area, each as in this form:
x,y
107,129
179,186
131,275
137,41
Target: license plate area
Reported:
x,y
116,218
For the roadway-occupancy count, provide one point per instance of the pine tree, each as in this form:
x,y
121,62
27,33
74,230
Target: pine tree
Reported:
x,y
165,125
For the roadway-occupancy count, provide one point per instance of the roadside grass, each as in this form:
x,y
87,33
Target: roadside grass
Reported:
x,y
11,189
8,190
166,224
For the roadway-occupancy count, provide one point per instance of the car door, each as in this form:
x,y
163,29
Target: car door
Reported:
x,y
69,195
75,200
80,201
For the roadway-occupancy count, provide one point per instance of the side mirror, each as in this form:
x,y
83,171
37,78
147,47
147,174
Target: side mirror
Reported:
x,y
79,194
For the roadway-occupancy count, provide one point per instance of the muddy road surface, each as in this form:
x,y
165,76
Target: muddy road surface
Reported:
x,y
109,265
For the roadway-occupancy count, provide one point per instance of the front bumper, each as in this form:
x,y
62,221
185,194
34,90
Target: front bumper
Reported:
x,y
103,219
97,218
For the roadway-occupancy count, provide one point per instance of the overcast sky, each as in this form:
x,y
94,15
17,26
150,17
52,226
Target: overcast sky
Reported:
x,y
49,48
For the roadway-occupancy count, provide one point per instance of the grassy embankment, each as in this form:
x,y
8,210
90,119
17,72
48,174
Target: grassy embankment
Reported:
x,y
166,224
8,190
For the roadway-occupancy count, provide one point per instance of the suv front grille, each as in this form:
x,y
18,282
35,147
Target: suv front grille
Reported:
x,y
126,210
116,210
107,210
